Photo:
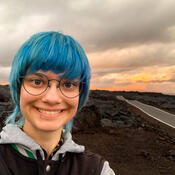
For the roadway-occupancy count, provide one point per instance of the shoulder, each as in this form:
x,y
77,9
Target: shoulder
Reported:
x,y
106,169
98,161
84,163
88,156
4,159
3,149
93,163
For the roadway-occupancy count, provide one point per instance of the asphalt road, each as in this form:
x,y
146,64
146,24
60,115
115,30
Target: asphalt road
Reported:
x,y
156,113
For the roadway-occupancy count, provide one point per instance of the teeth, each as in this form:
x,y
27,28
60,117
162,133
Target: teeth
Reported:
x,y
49,112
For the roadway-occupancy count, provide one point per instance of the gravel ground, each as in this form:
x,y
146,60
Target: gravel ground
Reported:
x,y
140,150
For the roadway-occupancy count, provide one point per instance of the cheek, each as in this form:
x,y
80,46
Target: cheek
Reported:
x,y
22,97
25,99
74,103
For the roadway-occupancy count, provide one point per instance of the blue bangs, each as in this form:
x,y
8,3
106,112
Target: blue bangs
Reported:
x,y
57,54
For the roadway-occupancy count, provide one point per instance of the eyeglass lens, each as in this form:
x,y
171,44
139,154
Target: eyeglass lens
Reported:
x,y
36,84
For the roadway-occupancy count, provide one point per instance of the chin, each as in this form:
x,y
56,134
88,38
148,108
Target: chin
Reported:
x,y
49,127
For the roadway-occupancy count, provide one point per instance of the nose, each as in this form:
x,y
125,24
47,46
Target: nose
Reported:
x,y
52,95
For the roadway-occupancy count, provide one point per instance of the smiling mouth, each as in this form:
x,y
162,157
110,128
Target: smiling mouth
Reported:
x,y
49,112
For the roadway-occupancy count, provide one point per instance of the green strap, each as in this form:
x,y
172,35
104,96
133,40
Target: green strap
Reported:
x,y
15,147
30,155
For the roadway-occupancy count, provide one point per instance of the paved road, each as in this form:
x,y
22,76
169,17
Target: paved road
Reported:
x,y
158,114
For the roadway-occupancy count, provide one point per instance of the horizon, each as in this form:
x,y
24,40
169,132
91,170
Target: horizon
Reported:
x,y
111,90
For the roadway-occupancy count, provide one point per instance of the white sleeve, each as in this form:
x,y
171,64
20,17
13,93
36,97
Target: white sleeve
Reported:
x,y
106,169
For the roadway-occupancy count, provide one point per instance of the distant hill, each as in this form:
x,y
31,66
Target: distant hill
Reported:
x,y
166,102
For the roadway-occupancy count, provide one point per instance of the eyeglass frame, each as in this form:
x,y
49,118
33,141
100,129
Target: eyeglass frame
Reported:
x,y
48,85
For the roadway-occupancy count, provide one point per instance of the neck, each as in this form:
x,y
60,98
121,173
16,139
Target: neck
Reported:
x,y
47,140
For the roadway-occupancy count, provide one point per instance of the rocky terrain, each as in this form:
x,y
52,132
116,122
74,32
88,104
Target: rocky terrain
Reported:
x,y
130,142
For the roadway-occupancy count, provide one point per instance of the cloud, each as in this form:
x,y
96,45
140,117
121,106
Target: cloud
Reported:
x,y
128,23
161,87
127,41
99,25
131,60
136,80
4,74
103,83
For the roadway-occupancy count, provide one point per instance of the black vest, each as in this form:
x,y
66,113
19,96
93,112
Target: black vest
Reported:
x,y
13,163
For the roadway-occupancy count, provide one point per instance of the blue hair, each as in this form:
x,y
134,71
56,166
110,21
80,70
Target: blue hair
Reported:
x,y
46,51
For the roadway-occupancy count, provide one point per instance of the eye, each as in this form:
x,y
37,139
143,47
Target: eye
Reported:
x,y
69,84
37,82
34,81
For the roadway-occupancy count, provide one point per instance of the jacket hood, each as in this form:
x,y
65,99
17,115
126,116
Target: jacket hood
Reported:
x,y
12,134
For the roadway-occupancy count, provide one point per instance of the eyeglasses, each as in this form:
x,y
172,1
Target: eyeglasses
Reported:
x,y
38,83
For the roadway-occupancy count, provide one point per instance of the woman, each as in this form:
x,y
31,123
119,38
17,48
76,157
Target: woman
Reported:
x,y
49,83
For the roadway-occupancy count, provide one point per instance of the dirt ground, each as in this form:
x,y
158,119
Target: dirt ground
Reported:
x,y
140,150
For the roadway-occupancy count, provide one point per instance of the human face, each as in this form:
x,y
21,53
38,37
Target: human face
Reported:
x,y
49,111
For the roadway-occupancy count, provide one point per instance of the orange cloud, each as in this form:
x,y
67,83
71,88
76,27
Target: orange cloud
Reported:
x,y
149,79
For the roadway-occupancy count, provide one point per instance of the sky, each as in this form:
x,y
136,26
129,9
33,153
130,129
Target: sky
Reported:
x,y
130,43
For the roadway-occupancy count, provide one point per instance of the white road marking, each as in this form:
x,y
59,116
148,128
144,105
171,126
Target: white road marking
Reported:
x,y
156,113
